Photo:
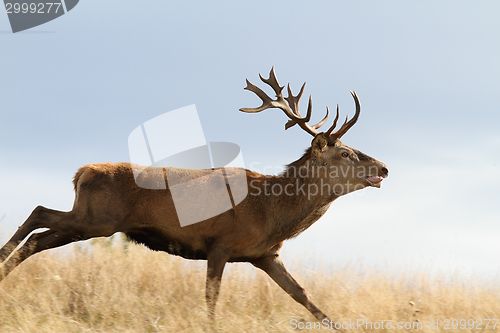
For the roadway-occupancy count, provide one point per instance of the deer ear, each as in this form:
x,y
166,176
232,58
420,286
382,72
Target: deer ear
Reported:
x,y
319,142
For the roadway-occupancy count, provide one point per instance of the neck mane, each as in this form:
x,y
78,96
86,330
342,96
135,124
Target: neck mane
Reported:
x,y
292,168
297,209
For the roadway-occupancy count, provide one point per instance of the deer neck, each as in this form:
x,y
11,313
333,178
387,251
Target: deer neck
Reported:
x,y
297,198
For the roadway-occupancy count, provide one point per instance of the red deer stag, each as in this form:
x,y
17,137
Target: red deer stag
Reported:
x,y
276,208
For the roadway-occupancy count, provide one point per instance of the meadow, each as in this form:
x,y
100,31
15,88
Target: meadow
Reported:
x,y
117,286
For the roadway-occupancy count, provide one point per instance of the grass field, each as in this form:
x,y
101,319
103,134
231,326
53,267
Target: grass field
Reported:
x,y
114,286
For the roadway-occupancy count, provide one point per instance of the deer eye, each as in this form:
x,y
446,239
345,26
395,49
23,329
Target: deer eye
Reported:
x,y
344,154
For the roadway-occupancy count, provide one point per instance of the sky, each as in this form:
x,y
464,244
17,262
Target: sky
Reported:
x,y
427,74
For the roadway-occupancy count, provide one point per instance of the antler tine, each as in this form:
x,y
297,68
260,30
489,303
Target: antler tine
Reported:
x,y
273,82
347,124
266,100
293,101
291,109
309,109
318,125
327,133
292,122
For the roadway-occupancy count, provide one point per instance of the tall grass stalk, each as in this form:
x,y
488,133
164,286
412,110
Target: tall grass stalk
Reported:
x,y
113,286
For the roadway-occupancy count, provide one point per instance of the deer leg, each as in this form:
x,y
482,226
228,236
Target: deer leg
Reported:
x,y
216,261
76,223
36,243
39,218
274,267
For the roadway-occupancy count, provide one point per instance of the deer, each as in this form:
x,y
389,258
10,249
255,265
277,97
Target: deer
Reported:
x,y
276,208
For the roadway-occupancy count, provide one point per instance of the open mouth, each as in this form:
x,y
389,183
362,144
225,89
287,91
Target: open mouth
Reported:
x,y
374,180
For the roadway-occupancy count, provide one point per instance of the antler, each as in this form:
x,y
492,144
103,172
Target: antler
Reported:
x,y
332,137
292,108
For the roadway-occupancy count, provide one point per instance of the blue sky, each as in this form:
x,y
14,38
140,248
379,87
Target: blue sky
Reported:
x,y
427,74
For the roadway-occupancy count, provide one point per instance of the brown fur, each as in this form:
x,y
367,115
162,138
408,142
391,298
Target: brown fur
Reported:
x,y
108,200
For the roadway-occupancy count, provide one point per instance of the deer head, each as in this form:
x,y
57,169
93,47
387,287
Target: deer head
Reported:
x,y
334,162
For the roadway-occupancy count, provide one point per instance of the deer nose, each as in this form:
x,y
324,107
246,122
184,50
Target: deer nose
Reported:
x,y
385,171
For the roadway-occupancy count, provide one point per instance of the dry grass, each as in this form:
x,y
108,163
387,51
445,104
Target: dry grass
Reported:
x,y
120,287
